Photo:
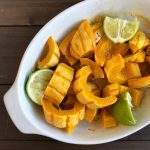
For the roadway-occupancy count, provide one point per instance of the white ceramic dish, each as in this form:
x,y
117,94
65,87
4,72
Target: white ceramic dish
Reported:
x,y
28,117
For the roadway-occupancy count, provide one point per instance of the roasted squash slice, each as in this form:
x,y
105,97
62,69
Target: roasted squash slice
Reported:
x,y
139,41
65,47
63,118
120,49
116,89
84,96
70,129
51,56
83,42
108,120
59,84
138,57
103,51
96,69
141,82
114,70
98,31
132,70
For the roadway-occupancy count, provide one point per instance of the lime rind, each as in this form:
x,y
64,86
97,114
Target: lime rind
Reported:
x,y
120,30
37,83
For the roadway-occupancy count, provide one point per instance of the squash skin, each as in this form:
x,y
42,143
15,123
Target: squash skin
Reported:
x,y
59,84
103,51
63,118
65,47
84,96
52,57
97,71
139,83
83,42
139,41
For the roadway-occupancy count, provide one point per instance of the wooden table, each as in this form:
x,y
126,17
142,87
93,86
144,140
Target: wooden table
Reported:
x,y
19,22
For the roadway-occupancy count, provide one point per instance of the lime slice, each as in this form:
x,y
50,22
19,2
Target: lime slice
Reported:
x,y
122,110
120,30
37,83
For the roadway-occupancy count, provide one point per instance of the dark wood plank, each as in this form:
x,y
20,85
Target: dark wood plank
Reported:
x,y
13,42
46,145
9,132
31,12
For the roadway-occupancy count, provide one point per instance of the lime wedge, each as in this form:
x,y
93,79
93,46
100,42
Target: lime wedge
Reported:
x,y
122,110
120,30
37,83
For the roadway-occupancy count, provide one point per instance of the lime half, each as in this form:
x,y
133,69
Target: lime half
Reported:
x,y
120,30
37,84
122,110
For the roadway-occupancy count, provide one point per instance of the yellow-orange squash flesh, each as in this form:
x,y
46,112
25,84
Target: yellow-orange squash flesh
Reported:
x,y
84,96
141,82
114,69
51,56
120,49
103,51
138,57
116,89
132,70
96,69
59,84
65,47
83,42
70,129
98,31
108,120
147,59
139,41
63,118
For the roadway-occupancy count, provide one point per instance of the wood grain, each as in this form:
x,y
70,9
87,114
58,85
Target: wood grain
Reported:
x,y
46,145
31,12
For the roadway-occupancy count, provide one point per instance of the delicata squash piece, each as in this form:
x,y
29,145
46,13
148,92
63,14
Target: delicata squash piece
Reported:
x,y
139,41
65,47
84,96
63,118
108,120
138,57
59,84
116,89
96,69
98,31
114,69
141,82
83,42
120,49
103,51
51,56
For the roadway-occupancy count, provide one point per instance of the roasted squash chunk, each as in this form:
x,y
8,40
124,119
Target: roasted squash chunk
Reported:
x,y
96,69
114,70
120,49
83,42
98,31
141,82
65,47
138,57
116,89
51,56
59,84
103,51
139,41
108,120
63,118
84,96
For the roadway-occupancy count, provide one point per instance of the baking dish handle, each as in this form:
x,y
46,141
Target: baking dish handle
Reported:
x,y
11,102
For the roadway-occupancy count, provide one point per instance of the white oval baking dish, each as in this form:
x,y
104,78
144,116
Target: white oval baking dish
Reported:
x,y
29,118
